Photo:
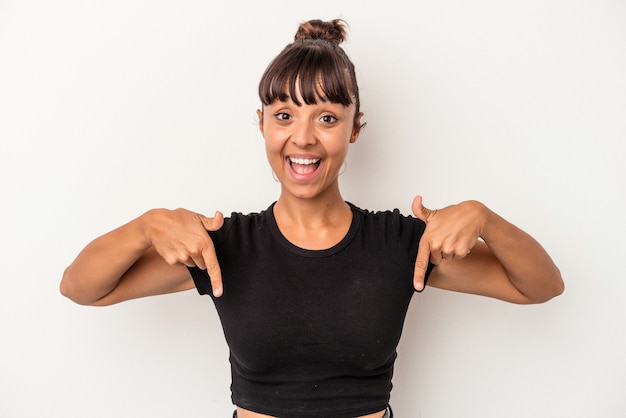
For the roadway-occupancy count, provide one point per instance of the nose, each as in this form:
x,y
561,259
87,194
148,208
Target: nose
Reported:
x,y
303,134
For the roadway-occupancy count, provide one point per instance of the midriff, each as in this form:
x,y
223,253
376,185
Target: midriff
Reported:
x,y
244,413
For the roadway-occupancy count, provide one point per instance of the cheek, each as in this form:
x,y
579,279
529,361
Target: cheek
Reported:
x,y
340,144
271,142
273,147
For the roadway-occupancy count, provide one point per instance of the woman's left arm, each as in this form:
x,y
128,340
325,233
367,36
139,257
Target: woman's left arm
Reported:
x,y
477,251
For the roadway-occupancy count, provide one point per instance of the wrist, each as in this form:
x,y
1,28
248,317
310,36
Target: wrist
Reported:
x,y
493,225
145,225
481,215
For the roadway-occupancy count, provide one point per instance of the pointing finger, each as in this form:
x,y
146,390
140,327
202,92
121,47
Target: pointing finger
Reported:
x,y
213,269
209,257
421,264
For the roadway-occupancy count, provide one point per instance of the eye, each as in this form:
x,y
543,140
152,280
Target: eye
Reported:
x,y
282,116
328,119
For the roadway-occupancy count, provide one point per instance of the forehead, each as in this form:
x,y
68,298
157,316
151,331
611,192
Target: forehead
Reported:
x,y
307,82
304,92
320,106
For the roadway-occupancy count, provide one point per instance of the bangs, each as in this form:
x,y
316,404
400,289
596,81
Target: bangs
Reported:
x,y
310,72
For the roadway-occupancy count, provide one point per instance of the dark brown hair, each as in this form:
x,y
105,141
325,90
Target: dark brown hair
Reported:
x,y
315,66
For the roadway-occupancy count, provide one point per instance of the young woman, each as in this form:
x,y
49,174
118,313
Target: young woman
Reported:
x,y
312,292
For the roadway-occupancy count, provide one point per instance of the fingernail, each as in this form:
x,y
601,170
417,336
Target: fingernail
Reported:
x,y
217,292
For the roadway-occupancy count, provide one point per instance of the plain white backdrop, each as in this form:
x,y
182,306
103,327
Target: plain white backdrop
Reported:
x,y
108,109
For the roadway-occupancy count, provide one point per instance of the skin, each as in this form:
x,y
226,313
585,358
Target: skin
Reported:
x,y
476,251
310,211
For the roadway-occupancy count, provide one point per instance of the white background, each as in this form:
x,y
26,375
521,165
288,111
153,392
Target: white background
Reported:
x,y
108,109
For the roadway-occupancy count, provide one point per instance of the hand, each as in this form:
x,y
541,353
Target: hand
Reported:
x,y
450,233
180,237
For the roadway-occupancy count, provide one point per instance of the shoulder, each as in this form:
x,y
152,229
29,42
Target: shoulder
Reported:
x,y
392,218
239,223
391,227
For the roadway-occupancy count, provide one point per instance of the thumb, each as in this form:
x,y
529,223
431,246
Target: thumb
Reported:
x,y
420,211
214,223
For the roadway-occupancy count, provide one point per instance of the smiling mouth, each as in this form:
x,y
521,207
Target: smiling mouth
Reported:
x,y
304,166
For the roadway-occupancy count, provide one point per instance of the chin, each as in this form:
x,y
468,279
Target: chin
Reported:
x,y
303,194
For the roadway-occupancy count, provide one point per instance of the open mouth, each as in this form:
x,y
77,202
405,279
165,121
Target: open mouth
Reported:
x,y
304,166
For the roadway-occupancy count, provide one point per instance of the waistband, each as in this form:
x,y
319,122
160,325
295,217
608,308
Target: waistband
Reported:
x,y
388,413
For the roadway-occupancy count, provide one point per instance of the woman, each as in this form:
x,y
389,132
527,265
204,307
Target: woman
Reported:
x,y
312,292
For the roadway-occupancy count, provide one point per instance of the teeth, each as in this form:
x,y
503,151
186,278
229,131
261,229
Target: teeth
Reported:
x,y
304,161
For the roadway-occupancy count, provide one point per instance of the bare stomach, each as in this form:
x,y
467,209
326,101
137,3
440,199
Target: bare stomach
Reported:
x,y
244,413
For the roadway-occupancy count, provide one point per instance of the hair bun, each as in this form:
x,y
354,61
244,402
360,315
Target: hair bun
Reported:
x,y
333,31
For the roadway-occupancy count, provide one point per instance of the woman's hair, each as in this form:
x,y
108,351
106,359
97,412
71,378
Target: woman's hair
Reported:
x,y
315,66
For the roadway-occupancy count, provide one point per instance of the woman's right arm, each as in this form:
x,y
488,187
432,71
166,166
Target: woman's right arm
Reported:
x,y
147,256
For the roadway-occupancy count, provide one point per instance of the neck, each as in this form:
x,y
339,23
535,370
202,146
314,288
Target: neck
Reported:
x,y
310,212
315,223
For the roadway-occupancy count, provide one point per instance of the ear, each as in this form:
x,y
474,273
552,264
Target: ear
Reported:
x,y
357,127
259,114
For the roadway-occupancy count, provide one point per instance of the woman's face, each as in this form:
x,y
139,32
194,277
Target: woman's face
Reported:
x,y
306,145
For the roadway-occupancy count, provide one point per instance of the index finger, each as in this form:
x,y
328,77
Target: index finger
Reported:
x,y
421,264
213,269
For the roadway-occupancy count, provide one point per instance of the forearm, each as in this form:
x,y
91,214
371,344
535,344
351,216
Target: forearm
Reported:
x,y
527,265
99,267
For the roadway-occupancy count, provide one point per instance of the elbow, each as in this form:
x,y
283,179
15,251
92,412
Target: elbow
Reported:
x,y
546,296
559,287
552,287
65,287
556,286
69,288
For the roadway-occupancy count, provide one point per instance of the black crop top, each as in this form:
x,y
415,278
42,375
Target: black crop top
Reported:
x,y
312,333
